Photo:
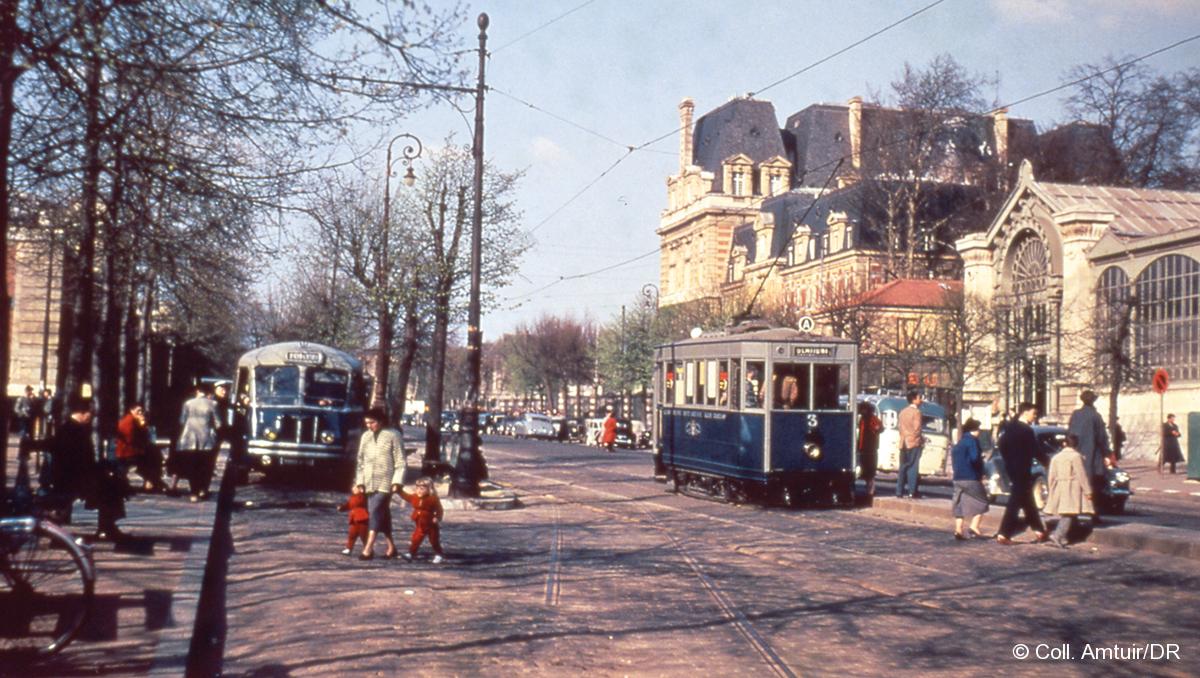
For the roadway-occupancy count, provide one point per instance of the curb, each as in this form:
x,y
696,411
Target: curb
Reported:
x,y
1169,541
174,645
492,497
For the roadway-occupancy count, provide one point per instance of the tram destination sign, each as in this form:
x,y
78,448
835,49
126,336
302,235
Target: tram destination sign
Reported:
x,y
812,351
305,357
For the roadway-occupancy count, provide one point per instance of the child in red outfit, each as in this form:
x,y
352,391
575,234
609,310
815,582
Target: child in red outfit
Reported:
x,y
359,518
427,516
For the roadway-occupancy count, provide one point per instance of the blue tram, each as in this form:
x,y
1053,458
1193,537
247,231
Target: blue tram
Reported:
x,y
758,414
304,405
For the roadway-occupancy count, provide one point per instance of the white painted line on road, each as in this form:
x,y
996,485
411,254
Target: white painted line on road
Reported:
x,y
1196,494
1171,491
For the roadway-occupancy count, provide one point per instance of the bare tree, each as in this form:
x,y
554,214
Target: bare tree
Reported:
x,y
1152,120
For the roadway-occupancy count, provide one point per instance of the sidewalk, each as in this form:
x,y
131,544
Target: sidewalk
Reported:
x,y
1117,531
147,590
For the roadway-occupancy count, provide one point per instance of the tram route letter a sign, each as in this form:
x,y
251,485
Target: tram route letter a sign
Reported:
x,y
1161,381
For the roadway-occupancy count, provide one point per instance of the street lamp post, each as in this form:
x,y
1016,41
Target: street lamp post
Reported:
x,y
383,356
470,468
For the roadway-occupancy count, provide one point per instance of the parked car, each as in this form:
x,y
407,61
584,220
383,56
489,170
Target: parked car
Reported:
x,y
532,425
1117,488
632,434
577,430
449,421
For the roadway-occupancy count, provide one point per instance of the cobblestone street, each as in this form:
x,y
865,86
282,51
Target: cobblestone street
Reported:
x,y
601,571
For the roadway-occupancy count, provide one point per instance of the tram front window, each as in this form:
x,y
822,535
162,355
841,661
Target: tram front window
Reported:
x,y
790,386
753,385
831,387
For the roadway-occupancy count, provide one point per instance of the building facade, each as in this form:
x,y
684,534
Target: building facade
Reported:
x,y
1087,280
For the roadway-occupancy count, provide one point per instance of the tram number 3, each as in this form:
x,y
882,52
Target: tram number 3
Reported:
x,y
812,421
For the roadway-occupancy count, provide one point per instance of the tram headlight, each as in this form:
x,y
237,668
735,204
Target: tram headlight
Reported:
x,y
270,434
327,437
813,451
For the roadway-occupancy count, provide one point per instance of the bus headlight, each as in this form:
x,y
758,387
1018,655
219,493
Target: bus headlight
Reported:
x,y
327,437
813,451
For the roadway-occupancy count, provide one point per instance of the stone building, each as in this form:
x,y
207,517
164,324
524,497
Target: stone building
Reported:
x,y
35,286
1068,265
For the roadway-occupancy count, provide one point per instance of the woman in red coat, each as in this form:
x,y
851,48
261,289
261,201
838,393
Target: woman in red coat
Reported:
x,y
609,437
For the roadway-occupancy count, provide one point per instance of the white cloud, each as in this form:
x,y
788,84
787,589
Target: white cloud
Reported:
x,y
547,151
1108,14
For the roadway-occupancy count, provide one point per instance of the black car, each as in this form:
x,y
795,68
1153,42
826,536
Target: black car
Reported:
x,y
1112,500
631,437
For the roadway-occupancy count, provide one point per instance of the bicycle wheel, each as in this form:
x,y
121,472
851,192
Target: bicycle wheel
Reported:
x,y
46,588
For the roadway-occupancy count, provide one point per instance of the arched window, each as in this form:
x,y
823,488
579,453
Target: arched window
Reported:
x,y
1113,313
1029,278
1167,317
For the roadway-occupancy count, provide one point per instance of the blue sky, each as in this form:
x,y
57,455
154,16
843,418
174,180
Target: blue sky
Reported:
x,y
619,68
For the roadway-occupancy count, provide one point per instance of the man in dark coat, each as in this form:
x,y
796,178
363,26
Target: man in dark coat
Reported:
x,y
1018,447
76,474
1087,424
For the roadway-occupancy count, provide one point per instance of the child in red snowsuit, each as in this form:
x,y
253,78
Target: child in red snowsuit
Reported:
x,y
427,517
357,506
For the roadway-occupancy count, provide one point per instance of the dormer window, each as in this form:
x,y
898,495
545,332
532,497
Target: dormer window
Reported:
x,y
776,184
738,182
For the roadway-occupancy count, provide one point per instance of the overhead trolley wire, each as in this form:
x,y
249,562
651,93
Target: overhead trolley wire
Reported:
x,y
640,147
535,30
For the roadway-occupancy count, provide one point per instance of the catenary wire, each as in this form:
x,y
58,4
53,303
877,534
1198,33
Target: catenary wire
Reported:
x,y
839,160
535,30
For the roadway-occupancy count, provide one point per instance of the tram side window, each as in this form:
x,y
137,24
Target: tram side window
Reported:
x,y
790,386
691,382
735,378
723,383
680,383
753,384
831,387
712,382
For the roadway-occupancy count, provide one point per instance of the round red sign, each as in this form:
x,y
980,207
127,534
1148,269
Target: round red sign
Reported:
x,y
1161,381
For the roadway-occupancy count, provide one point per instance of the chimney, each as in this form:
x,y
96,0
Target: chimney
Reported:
x,y
685,133
1000,128
856,132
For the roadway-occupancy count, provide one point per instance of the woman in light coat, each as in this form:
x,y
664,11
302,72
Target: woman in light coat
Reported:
x,y
380,470
1070,490
195,455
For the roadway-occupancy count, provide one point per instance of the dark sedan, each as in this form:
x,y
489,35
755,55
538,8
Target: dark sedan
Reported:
x,y
1112,500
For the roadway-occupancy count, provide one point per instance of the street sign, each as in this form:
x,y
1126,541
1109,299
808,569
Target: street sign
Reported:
x,y
1161,381
807,324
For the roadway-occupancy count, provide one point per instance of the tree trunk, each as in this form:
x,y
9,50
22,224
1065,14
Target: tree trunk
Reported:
x,y
9,72
133,349
83,340
437,369
408,348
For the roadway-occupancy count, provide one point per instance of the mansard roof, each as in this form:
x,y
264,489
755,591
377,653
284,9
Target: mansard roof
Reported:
x,y
746,126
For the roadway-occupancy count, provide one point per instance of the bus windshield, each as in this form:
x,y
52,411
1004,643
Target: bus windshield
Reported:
x,y
277,384
324,386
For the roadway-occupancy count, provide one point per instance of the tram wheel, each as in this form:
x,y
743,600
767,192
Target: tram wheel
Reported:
x,y
787,497
728,494
672,482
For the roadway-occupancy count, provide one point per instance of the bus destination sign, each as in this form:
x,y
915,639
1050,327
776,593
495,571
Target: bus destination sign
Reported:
x,y
306,357
812,351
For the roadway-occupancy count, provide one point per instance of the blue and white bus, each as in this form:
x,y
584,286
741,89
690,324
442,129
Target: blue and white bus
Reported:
x,y
304,405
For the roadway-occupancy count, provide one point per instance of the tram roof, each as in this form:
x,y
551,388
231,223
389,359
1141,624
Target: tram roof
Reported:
x,y
772,334
300,353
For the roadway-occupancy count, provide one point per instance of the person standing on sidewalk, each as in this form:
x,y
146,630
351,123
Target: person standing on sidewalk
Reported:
x,y
1070,490
23,411
1018,447
912,443
194,457
869,427
1171,454
1087,424
75,472
970,500
380,470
